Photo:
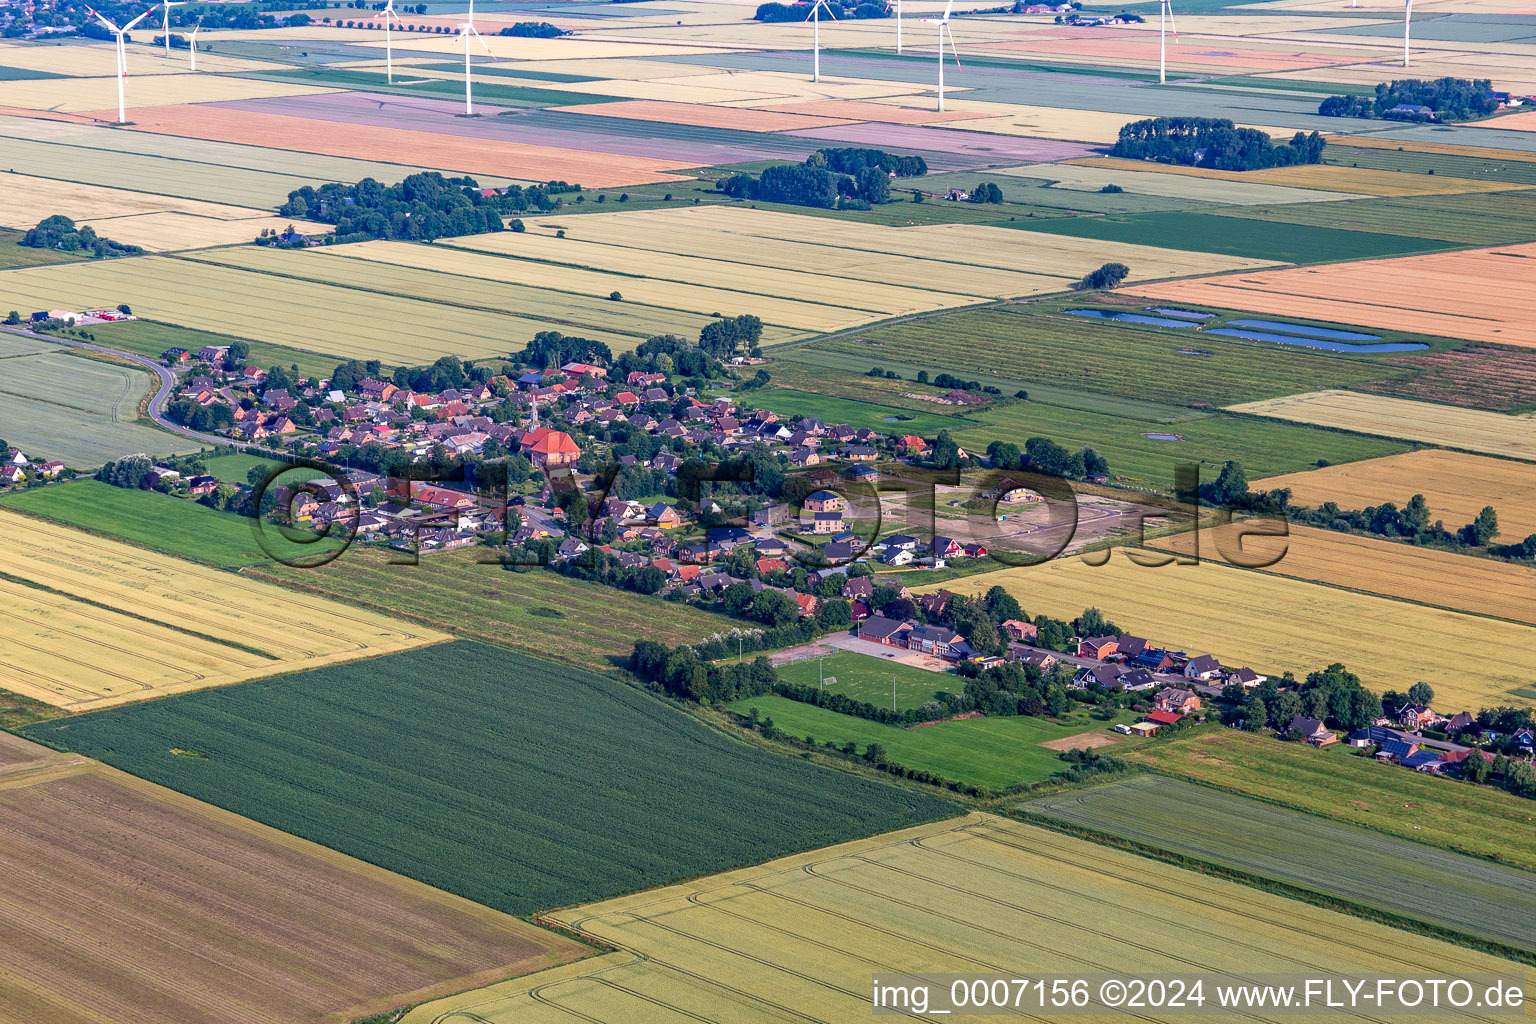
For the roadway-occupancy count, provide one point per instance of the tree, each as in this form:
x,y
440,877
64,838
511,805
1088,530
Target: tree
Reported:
x,y
1093,623
1231,485
1482,529
721,338
873,185
1421,693
1255,714
875,753
1107,276
1520,778
775,609
1004,454
1475,767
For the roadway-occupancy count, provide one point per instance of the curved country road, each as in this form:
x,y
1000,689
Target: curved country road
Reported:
x,y
156,407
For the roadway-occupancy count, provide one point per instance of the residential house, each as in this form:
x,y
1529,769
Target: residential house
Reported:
x,y
1099,647
825,501
1202,668
827,522
1017,629
1311,730
1174,698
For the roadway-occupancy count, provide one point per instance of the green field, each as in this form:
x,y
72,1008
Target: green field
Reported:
x,y
1475,897
887,419
1209,441
1454,165
232,469
1478,820
56,404
1270,240
150,338
1039,342
868,677
540,612
14,254
992,752
1488,218
178,526
520,784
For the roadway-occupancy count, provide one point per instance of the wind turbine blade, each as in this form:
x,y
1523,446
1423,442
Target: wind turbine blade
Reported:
x,y
952,47
140,18
833,16
481,39
103,19
1174,23
947,8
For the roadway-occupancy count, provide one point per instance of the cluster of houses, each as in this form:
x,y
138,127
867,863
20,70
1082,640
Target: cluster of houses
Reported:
x,y
18,469
1129,664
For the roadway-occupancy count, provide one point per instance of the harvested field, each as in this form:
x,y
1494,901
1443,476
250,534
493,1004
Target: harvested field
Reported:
x,y
542,613
1478,376
83,412
1456,486
79,58
746,119
397,330
517,783
959,897
98,623
96,98
1193,53
1485,153
1274,624
211,918
1481,586
1327,177
987,148
1329,858
371,142
1479,295
1468,429
887,112
168,232
1086,177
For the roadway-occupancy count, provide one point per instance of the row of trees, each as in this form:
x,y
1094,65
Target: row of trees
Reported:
x,y
1334,695
1213,142
829,178
423,207
1046,456
773,11
60,232
1451,99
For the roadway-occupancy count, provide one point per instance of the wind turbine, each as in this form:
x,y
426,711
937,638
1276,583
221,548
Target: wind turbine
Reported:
x,y
165,21
192,42
815,19
122,56
944,29
1162,40
389,49
1407,21
897,6
466,30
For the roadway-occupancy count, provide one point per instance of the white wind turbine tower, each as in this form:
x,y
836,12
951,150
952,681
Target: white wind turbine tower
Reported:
x,y
1407,21
389,49
815,19
466,30
944,29
192,42
165,21
1162,40
122,56
897,6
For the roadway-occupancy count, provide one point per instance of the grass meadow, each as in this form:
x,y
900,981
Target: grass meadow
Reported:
x,y
868,678
517,783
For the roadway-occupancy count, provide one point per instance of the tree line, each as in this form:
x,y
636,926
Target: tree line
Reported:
x,y
1213,142
1451,99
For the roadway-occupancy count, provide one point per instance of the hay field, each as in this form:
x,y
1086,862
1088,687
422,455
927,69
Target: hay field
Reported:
x,y
81,411
97,97
1274,624
168,232
1087,177
960,258
803,935
1470,429
1477,294
1455,485
1325,177
25,200
93,623
463,154
571,282
1480,586
225,300
126,903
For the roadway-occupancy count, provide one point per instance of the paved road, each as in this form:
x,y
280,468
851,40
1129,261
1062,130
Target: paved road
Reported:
x,y
156,407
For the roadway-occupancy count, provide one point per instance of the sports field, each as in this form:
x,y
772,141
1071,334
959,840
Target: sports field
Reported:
x,y
1274,624
992,752
211,918
1470,429
83,412
804,934
1444,579
1478,294
517,783
867,678
177,526
395,328
1455,485
1480,899
1479,820
540,612
96,623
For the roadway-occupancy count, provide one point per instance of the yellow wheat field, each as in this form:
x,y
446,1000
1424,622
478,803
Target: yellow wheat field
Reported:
x,y
164,232
1480,152
144,89
800,938
1273,624
306,315
1481,586
25,200
91,623
1326,177
1455,485
97,60
1469,429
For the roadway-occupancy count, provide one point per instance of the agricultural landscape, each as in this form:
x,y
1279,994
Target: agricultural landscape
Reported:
x,y
689,510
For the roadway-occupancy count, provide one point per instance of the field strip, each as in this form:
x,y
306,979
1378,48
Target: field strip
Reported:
x,y
1325,177
1474,430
